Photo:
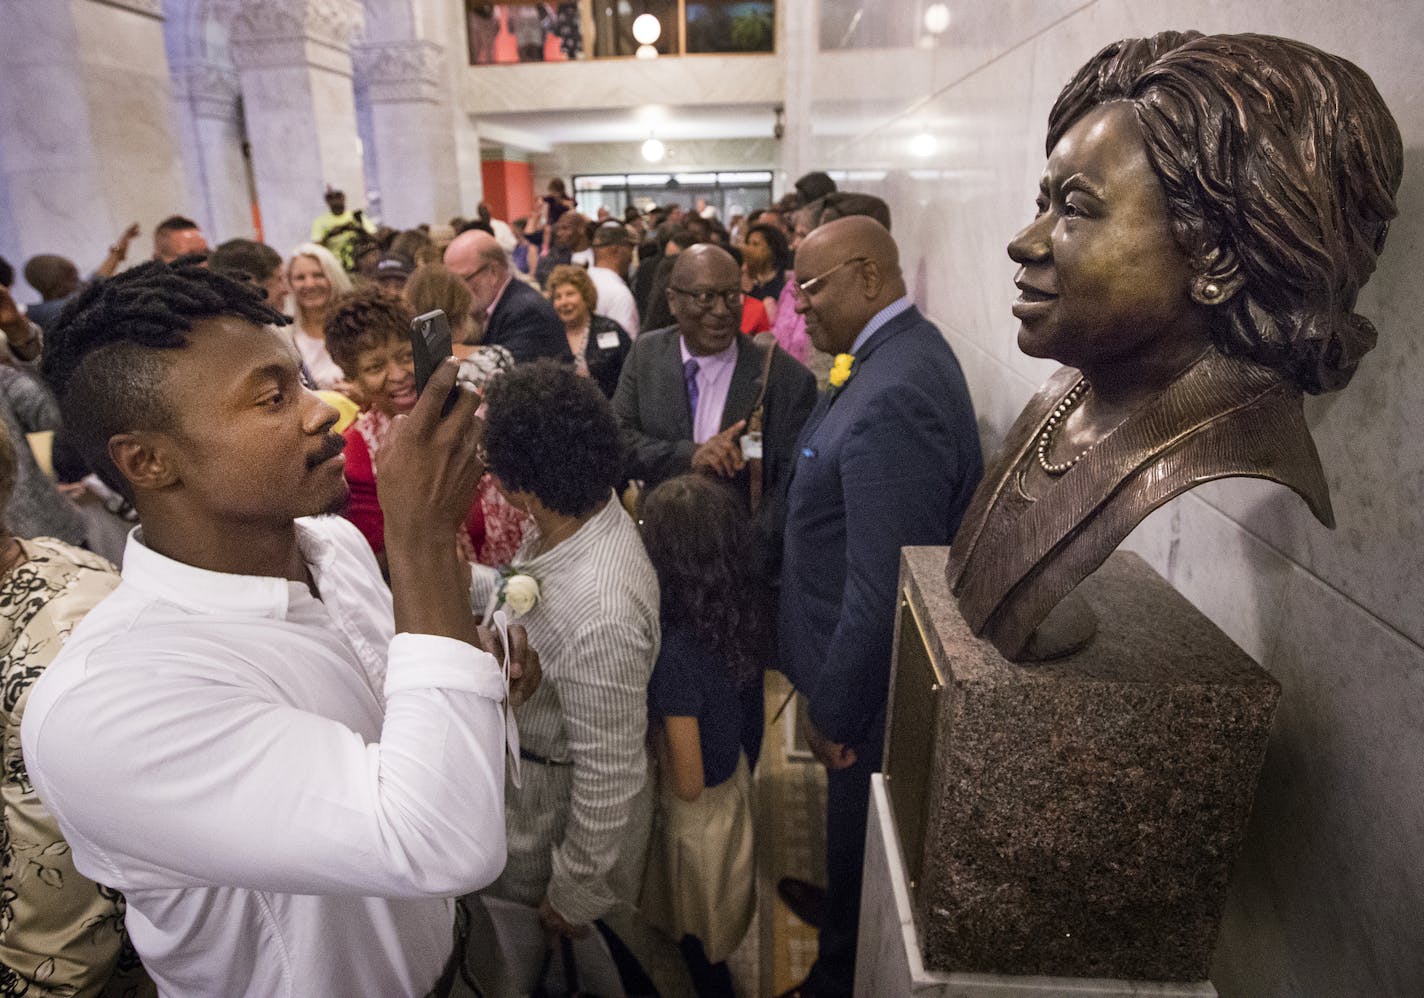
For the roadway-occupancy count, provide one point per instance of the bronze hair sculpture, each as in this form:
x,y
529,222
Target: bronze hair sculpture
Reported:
x,y
1210,209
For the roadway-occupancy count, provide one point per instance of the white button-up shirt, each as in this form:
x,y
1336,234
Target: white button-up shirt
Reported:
x,y
286,793
615,301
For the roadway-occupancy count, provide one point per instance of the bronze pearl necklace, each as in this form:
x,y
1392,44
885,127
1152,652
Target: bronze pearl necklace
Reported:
x,y
1045,438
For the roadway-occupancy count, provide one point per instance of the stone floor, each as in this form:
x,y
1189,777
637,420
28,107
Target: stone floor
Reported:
x,y
791,842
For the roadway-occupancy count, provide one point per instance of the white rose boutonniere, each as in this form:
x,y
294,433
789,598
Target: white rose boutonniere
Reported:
x,y
518,591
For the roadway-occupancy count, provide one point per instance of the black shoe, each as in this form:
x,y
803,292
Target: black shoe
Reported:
x,y
806,901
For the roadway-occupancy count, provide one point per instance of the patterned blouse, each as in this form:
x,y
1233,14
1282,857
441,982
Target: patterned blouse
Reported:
x,y
60,933
492,533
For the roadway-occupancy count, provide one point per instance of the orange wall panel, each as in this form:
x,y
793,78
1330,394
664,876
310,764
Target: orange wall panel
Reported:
x,y
509,188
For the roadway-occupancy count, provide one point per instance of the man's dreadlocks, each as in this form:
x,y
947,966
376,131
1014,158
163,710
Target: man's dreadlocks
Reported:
x,y
105,357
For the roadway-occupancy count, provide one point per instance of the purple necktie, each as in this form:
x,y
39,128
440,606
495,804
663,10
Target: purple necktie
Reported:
x,y
689,374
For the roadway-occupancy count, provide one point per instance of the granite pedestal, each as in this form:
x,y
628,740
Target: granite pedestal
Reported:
x,y
888,963
1076,818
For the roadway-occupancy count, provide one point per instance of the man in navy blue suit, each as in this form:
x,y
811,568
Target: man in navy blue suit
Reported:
x,y
888,458
515,316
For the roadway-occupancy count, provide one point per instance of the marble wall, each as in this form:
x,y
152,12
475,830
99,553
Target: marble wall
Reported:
x,y
949,129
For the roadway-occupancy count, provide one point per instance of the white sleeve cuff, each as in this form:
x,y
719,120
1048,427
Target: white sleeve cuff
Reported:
x,y
428,661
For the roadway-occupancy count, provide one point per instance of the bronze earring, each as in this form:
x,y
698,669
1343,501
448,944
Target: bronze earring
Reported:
x,y
1211,291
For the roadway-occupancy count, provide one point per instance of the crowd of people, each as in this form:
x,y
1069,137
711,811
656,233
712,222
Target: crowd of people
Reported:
x,y
277,749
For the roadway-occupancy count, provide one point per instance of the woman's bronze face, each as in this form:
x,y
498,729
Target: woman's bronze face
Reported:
x,y
1101,279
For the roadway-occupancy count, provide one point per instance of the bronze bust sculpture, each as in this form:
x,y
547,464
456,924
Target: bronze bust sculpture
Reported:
x,y
1210,209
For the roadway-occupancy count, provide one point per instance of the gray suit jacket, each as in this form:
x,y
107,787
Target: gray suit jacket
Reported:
x,y
652,408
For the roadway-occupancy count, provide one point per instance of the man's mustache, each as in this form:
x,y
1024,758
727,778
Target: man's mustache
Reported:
x,y
335,444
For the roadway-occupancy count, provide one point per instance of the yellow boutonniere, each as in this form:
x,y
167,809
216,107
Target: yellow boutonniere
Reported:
x,y
840,370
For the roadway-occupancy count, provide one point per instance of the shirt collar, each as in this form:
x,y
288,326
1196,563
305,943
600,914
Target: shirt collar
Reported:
x,y
879,320
502,289
573,546
202,591
726,356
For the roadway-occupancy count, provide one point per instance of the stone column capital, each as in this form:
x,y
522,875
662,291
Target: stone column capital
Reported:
x,y
212,90
401,71
272,33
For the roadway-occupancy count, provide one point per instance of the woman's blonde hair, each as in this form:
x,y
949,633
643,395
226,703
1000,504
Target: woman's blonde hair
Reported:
x,y
340,282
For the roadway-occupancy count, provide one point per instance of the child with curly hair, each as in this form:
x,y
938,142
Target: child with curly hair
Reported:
x,y
705,717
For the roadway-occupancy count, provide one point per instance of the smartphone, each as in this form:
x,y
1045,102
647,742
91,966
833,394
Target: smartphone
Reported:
x,y
430,342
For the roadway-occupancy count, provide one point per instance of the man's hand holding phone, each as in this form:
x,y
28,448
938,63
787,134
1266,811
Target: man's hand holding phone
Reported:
x,y
426,475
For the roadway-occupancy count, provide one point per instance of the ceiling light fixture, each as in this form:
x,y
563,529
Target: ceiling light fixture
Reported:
x,y
647,28
654,150
936,18
923,145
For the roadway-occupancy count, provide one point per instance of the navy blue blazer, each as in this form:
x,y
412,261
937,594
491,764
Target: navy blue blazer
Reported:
x,y
525,324
889,460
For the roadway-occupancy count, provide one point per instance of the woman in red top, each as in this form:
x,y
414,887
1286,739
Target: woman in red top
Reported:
x,y
368,337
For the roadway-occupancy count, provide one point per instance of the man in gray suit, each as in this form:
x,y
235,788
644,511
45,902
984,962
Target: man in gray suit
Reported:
x,y
687,392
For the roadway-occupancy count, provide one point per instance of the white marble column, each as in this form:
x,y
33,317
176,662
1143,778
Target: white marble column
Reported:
x,y
447,20
294,65
211,132
799,42
87,137
414,152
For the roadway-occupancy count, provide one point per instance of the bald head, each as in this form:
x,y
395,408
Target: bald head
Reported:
x,y
470,249
853,268
855,235
477,259
704,260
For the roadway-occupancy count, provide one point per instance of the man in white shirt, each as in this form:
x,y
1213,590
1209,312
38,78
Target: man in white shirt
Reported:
x,y
612,256
503,234
286,773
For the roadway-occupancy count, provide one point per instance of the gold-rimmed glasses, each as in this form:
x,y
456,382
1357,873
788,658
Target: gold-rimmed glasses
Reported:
x,y
803,290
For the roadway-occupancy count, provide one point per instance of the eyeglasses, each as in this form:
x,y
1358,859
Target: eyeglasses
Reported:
x,y
705,300
805,289
467,278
